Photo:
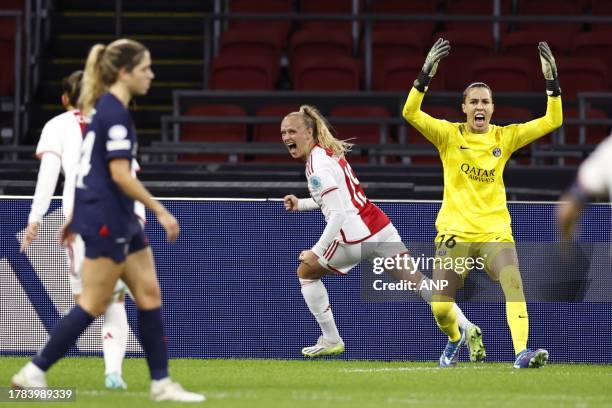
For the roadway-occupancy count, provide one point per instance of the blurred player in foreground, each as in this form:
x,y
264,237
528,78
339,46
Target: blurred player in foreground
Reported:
x,y
115,245
474,219
594,179
356,229
59,150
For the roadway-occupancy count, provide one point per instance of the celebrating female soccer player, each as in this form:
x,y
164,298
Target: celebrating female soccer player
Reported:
x,y
352,220
59,149
474,219
115,245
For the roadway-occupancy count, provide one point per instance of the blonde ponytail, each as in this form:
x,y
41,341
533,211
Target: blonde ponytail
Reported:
x,y
320,130
92,86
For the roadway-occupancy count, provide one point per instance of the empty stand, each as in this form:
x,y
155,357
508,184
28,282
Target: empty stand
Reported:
x,y
547,8
584,74
398,74
246,42
399,7
279,28
363,134
338,73
508,74
243,72
308,43
327,7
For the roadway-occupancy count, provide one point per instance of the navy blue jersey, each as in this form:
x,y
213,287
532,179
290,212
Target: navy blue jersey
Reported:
x,y
101,208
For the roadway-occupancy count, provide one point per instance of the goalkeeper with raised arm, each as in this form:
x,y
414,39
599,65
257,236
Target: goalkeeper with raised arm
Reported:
x,y
474,220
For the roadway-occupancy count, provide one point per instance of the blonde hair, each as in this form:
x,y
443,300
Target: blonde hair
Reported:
x,y
102,69
313,119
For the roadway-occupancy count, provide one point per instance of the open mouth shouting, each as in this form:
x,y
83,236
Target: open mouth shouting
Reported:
x,y
292,147
479,119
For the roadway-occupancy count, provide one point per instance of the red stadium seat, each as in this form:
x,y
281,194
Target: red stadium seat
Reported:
x,y
249,72
477,8
327,74
582,74
594,134
593,44
7,56
280,28
212,132
511,113
307,43
466,47
242,42
387,44
503,73
525,43
601,8
398,74
546,8
327,7
398,7
362,133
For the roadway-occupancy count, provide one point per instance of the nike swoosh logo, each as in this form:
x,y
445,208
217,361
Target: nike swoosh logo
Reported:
x,y
463,147
522,317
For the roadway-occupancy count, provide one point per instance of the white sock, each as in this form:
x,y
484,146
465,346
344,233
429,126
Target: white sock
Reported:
x,y
462,321
114,337
316,298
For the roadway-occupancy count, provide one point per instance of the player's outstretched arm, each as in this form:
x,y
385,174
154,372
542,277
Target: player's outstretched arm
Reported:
x,y
549,69
439,50
553,119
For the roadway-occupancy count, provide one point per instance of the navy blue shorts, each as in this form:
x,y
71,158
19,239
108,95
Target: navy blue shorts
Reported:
x,y
116,248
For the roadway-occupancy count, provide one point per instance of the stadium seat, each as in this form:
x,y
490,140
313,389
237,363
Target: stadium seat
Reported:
x,y
270,133
279,28
514,114
582,74
7,56
217,132
398,74
238,41
363,134
398,7
509,74
305,44
546,8
592,44
594,134
327,7
601,8
387,44
525,43
248,72
466,47
476,8
339,73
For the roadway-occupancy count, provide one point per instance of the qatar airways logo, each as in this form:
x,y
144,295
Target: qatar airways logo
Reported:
x,y
478,174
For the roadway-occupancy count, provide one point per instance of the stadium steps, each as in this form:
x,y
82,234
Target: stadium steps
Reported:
x,y
172,30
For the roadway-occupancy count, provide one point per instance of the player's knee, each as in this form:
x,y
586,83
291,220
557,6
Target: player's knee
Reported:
x,y
308,272
94,306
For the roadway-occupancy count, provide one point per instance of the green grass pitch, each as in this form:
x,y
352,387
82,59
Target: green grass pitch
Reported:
x,y
335,383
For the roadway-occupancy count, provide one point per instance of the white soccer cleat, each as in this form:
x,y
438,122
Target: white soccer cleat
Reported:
x,y
323,348
167,390
29,376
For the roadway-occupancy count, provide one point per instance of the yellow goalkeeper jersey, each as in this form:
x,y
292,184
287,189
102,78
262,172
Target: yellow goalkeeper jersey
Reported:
x,y
474,192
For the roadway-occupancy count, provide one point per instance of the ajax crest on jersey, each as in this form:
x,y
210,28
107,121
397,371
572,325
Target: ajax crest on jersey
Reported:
x,y
497,152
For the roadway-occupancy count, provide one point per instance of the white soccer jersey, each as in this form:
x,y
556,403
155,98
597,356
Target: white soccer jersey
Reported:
x,y
62,136
326,173
595,173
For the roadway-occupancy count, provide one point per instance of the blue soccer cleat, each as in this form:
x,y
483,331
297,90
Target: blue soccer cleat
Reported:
x,y
450,355
113,381
531,359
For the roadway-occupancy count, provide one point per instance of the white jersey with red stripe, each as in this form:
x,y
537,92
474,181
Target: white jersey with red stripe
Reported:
x,y
325,173
62,136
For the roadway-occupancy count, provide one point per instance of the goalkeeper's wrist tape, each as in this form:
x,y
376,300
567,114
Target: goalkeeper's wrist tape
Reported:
x,y
553,88
422,81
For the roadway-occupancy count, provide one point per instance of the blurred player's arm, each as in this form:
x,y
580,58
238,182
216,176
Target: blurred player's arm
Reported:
x,y
594,179
553,119
48,174
121,173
